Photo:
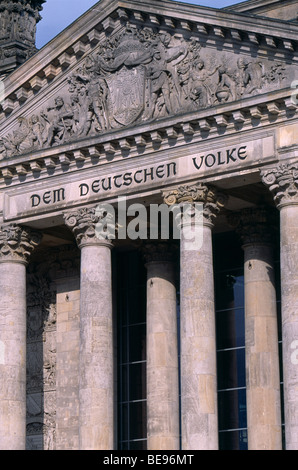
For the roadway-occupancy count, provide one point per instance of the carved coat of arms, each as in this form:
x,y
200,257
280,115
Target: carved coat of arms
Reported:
x,y
135,76
127,94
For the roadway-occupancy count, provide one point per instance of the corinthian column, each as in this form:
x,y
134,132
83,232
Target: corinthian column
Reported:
x,y
256,230
162,349
283,183
197,314
16,245
96,337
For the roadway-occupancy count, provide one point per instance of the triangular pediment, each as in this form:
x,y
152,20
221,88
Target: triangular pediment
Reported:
x,y
124,64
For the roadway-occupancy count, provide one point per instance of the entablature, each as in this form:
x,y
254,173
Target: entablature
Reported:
x,y
170,135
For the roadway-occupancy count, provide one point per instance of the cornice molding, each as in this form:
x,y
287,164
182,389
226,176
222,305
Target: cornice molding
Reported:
x,y
254,113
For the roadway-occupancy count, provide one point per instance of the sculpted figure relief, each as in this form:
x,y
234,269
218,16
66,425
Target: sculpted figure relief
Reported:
x,y
137,76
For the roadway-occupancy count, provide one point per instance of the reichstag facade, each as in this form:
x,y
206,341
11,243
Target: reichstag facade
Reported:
x,y
145,122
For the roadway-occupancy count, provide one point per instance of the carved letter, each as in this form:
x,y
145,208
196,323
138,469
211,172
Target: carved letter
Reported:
x,y
213,159
115,181
229,155
127,179
242,153
35,198
96,186
169,165
219,162
195,162
84,189
59,194
47,197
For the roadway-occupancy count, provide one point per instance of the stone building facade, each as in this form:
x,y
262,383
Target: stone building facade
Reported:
x,y
144,122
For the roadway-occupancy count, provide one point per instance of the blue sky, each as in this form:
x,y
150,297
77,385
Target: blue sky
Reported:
x,y
58,14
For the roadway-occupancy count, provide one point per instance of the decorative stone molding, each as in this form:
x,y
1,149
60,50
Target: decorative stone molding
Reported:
x,y
143,140
18,31
212,200
159,251
139,75
17,243
91,226
254,225
282,181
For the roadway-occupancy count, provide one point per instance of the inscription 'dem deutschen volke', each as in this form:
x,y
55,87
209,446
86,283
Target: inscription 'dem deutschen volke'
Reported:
x,y
140,176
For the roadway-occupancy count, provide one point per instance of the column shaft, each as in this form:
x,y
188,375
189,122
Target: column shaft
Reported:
x,y
162,358
96,349
283,183
261,343
289,300
16,245
198,347
199,204
12,356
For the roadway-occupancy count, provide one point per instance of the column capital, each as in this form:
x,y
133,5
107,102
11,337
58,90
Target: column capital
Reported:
x,y
17,243
282,181
213,200
254,225
159,252
91,226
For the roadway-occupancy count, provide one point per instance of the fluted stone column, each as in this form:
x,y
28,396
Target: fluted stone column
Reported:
x,y
197,317
283,183
96,400
256,229
162,350
16,245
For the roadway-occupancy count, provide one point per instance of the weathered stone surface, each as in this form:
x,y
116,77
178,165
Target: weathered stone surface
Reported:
x,y
283,183
17,32
96,402
139,74
162,350
15,247
136,99
197,312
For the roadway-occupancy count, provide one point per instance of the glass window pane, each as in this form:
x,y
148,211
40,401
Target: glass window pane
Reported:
x,y
231,368
233,440
137,381
230,328
137,343
131,311
229,287
137,420
232,409
124,428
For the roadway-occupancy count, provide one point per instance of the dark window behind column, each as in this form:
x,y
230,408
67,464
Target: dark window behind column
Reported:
x,y
230,337
131,332
229,301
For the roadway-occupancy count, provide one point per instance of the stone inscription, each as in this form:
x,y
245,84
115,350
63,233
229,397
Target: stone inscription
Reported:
x,y
220,158
107,183
45,199
139,177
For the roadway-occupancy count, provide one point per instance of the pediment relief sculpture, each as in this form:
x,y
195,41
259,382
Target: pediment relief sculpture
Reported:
x,y
137,76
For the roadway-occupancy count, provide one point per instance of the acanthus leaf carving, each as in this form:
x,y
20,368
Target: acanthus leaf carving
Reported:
x,y
212,199
92,225
17,243
282,181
